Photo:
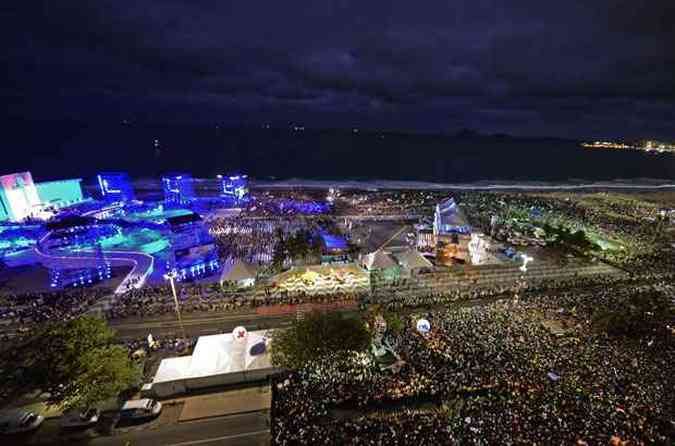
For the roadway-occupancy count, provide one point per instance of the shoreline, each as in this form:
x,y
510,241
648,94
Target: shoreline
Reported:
x,y
486,185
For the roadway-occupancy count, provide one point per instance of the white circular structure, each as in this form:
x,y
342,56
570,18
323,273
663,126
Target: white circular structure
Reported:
x,y
423,326
239,333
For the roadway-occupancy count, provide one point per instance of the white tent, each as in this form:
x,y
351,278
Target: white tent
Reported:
x,y
216,360
378,260
239,272
412,260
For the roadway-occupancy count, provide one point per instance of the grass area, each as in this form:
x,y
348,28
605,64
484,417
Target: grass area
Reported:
x,y
604,243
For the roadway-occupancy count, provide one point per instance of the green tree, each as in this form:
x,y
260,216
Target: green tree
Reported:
x,y
316,335
75,362
394,322
580,240
280,251
315,246
54,352
352,250
106,372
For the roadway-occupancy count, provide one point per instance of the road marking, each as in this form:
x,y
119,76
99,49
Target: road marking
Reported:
x,y
194,322
210,318
226,437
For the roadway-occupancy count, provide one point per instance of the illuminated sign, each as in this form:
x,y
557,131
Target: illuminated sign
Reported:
x,y
115,186
20,195
105,187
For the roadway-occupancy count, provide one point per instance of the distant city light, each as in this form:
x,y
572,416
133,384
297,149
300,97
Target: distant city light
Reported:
x,y
645,146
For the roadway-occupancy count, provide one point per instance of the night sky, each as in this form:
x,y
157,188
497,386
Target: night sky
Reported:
x,y
574,68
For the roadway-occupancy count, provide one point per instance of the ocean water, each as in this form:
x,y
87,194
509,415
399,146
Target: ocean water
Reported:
x,y
57,150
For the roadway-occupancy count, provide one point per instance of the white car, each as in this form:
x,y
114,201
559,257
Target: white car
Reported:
x,y
75,419
17,421
140,409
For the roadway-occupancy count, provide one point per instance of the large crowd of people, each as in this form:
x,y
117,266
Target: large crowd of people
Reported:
x,y
536,371
253,240
406,204
397,301
515,363
158,301
25,309
637,224
194,298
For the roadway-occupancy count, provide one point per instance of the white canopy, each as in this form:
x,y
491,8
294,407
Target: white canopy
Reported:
x,y
379,260
238,271
412,259
215,355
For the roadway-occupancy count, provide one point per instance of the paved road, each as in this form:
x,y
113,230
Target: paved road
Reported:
x,y
211,324
232,430
196,326
205,323
236,430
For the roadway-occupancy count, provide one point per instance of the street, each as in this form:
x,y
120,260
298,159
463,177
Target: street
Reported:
x,y
236,430
232,430
196,325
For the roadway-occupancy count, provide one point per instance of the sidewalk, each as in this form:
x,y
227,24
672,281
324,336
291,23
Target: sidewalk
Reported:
x,y
229,402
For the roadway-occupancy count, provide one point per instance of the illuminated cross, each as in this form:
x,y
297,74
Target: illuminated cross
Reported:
x,y
526,259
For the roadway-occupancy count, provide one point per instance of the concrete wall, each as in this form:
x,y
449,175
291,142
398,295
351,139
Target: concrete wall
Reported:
x,y
165,389
171,388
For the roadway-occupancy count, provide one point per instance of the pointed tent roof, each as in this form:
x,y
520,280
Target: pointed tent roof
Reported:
x,y
239,270
379,260
449,217
412,259
447,203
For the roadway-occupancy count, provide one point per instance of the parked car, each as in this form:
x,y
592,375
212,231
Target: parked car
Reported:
x,y
77,419
139,409
16,421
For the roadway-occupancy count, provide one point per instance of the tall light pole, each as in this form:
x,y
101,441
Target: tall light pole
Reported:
x,y
171,277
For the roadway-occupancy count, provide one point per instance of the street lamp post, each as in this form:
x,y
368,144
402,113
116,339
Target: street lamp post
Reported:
x,y
171,277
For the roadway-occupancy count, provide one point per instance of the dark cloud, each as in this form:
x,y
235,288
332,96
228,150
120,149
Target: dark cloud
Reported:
x,y
572,68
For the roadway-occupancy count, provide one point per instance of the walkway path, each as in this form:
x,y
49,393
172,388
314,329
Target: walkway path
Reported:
x,y
142,265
